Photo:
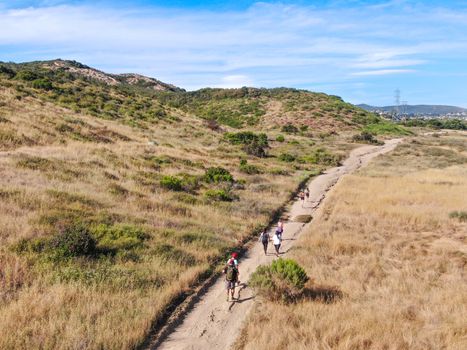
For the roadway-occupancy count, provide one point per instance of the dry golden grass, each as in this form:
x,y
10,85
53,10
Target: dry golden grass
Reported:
x,y
386,261
57,166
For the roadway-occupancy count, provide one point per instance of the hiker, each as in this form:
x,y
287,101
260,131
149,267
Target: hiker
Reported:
x,y
301,195
280,229
231,275
264,238
276,240
307,194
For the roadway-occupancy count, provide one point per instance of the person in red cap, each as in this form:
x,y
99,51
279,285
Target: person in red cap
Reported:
x,y
231,275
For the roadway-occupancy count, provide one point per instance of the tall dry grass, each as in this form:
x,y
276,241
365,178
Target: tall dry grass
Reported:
x,y
56,164
386,260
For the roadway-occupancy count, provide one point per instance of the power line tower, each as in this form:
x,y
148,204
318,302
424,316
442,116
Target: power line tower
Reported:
x,y
404,109
397,101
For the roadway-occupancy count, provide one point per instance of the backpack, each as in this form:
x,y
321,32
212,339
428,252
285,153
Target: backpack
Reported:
x,y
264,237
231,271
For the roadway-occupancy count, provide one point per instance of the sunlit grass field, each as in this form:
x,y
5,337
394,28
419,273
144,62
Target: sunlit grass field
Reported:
x,y
386,256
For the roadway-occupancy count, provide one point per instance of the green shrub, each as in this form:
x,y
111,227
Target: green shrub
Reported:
x,y
253,144
26,75
321,156
248,168
172,183
278,171
283,280
43,84
118,237
255,149
219,195
218,174
460,215
454,124
280,138
32,245
286,157
73,241
289,128
366,137
386,128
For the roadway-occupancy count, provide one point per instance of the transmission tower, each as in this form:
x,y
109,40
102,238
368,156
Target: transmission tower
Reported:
x,y
404,109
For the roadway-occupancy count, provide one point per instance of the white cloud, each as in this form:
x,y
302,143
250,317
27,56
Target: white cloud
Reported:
x,y
267,44
235,81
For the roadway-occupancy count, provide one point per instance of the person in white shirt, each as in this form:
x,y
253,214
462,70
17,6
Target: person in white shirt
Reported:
x,y
276,240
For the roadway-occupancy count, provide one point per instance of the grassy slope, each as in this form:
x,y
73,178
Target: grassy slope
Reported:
x,y
77,152
385,239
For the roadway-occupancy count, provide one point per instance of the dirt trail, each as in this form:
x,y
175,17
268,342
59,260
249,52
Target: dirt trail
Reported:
x,y
214,323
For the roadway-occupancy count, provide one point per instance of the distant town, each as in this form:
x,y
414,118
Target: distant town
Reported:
x,y
403,111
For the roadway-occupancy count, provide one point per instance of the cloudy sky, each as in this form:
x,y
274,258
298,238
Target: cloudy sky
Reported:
x,y
360,50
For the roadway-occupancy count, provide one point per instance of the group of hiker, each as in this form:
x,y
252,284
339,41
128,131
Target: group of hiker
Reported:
x,y
231,270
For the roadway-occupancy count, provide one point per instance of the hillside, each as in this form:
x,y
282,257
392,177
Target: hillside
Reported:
x,y
106,181
134,98
417,109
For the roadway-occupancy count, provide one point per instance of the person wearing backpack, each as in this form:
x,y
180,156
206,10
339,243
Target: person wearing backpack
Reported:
x,y
264,238
231,275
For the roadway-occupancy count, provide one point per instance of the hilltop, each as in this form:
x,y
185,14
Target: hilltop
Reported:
x,y
134,98
106,182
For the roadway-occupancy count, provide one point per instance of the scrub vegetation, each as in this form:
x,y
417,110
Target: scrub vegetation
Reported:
x,y
107,180
385,257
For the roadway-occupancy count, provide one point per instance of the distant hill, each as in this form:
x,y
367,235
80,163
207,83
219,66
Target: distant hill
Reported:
x,y
417,109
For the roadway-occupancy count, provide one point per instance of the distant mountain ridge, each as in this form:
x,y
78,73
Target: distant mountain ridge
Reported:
x,y
416,109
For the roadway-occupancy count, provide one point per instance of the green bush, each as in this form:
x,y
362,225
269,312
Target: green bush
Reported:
x,y
280,138
366,137
118,237
321,156
26,75
286,157
172,183
255,149
454,124
248,168
73,241
218,174
386,128
289,128
253,144
218,195
43,84
460,215
283,280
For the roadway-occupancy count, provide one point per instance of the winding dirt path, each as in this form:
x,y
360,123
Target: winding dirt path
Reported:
x,y
214,323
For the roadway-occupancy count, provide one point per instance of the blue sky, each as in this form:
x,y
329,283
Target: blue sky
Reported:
x,y
360,50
